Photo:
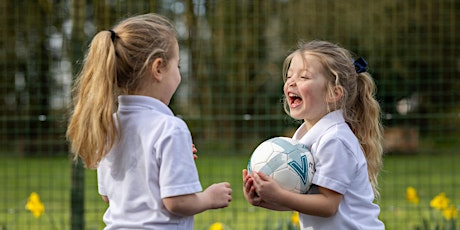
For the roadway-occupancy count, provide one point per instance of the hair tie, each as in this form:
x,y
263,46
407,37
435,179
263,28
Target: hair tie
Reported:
x,y
113,35
360,65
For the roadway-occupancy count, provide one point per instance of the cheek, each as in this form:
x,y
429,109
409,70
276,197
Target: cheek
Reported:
x,y
311,94
178,77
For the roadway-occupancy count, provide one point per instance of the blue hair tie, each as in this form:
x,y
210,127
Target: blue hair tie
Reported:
x,y
360,65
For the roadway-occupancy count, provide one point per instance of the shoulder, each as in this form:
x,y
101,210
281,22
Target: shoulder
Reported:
x,y
338,139
340,132
174,123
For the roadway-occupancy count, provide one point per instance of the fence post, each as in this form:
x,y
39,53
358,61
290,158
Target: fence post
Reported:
x,y
77,195
78,17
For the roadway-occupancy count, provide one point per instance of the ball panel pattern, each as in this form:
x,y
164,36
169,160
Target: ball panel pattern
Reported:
x,y
287,161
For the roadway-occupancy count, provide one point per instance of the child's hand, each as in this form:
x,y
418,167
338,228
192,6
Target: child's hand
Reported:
x,y
220,195
194,150
213,197
266,187
249,190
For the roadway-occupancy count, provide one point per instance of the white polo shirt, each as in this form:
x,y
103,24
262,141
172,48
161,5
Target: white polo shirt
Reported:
x,y
152,160
340,166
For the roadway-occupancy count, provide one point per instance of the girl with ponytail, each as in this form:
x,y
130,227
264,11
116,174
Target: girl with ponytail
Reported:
x,y
122,126
334,97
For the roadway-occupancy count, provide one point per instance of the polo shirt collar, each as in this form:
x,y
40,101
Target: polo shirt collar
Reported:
x,y
137,102
331,119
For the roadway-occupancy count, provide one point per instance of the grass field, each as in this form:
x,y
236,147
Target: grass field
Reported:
x,y
430,174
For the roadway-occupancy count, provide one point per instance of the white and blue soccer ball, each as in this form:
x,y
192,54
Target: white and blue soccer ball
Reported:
x,y
288,162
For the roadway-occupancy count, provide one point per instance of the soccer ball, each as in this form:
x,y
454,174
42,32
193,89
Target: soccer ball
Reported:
x,y
287,161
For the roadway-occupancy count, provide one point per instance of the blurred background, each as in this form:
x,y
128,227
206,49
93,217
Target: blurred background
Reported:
x,y
230,96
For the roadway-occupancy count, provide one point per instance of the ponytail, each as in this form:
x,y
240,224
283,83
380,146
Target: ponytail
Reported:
x,y
92,129
366,124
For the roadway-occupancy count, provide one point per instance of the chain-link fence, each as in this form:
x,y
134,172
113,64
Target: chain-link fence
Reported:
x,y
232,52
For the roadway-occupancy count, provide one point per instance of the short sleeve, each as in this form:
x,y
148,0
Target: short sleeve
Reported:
x,y
336,166
178,172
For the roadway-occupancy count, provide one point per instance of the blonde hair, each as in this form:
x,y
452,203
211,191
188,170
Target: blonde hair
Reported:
x,y
360,108
116,63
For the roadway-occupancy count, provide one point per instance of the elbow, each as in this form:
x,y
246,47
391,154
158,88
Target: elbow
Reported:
x,y
178,206
330,202
329,213
173,207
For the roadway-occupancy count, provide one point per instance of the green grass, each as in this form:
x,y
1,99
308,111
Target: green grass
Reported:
x,y
430,174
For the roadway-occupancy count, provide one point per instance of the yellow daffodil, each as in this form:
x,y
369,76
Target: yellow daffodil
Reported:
x,y
450,212
216,226
411,195
295,218
440,202
35,205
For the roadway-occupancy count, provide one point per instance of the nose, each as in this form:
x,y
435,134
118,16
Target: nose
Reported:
x,y
290,82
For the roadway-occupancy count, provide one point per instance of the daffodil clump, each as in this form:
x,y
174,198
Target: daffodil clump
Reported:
x,y
294,224
219,226
35,205
443,214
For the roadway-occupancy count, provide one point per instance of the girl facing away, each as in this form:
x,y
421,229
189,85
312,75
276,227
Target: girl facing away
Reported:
x,y
334,97
121,124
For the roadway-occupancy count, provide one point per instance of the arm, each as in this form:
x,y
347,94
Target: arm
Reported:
x,y
214,197
324,204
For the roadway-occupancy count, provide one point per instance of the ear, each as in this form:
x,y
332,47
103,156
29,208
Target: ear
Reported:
x,y
336,94
156,69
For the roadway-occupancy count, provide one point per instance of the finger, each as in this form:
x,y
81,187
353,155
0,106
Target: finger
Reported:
x,y
256,177
225,184
246,187
262,176
248,183
251,194
194,150
252,190
245,173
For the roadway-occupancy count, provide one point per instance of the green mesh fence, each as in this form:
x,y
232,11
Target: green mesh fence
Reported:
x,y
230,94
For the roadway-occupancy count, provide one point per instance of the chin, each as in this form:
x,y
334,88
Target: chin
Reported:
x,y
295,115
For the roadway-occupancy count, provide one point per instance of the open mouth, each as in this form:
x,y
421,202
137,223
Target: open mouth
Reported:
x,y
294,100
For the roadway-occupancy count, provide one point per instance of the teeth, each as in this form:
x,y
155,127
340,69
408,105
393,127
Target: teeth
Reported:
x,y
293,95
